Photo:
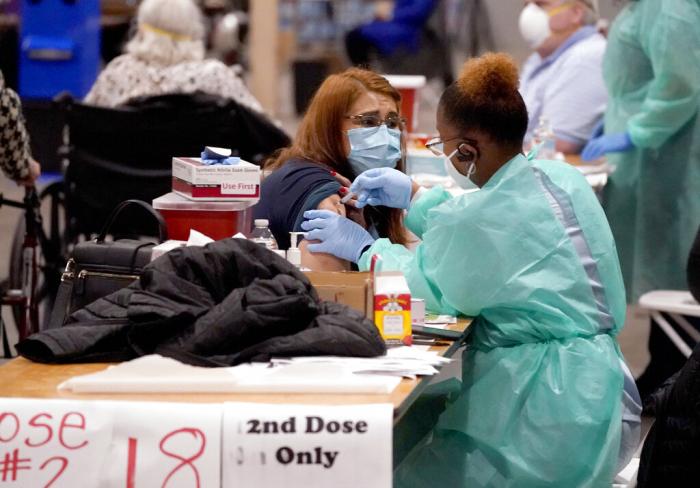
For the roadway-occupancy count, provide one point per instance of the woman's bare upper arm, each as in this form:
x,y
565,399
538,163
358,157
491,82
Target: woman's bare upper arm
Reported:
x,y
317,261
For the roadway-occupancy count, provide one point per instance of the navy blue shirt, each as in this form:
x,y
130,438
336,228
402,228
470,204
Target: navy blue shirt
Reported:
x,y
297,186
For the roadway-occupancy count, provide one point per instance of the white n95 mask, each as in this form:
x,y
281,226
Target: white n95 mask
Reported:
x,y
460,180
534,25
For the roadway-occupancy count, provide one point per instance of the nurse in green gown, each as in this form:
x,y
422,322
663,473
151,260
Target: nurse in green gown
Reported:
x,y
652,137
546,399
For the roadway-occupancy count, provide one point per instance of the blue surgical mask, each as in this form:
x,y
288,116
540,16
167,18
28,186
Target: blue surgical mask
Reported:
x,y
373,147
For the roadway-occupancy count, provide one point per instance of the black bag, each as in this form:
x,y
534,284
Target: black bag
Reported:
x,y
98,268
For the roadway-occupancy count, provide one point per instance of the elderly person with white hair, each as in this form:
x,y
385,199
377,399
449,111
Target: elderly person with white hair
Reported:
x,y
562,80
167,56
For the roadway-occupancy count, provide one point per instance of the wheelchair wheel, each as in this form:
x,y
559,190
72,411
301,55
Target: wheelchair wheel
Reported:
x,y
52,250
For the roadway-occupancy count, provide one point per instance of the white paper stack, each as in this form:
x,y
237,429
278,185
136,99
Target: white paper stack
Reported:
x,y
157,374
404,361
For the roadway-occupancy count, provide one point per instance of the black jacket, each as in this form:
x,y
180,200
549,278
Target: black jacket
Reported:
x,y
229,302
693,269
670,456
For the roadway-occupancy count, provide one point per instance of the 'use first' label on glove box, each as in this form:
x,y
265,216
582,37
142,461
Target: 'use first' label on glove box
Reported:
x,y
198,181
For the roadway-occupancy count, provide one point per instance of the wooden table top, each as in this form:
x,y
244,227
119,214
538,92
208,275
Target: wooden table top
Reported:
x,y
23,378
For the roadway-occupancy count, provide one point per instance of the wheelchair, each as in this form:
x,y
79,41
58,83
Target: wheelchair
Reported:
x,y
114,154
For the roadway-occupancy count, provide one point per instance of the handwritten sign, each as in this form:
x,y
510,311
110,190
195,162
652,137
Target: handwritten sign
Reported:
x,y
157,444
307,445
112,444
52,443
57,443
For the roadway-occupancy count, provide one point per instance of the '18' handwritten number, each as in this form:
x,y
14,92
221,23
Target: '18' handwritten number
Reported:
x,y
196,434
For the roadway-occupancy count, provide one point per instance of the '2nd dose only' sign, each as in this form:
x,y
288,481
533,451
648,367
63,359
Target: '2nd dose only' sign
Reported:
x,y
112,444
307,445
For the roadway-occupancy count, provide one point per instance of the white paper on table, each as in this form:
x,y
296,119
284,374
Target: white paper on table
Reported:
x,y
198,239
156,374
311,377
152,374
400,361
300,446
165,247
433,320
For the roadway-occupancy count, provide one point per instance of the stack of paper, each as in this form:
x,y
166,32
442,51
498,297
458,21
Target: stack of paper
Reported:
x,y
313,374
403,361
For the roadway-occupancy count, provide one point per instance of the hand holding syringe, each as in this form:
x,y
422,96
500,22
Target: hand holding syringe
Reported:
x,y
379,186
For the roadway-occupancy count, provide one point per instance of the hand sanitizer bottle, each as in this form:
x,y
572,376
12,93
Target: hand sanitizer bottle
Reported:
x,y
294,253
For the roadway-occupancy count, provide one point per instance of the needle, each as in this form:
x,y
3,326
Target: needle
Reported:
x,y
347,197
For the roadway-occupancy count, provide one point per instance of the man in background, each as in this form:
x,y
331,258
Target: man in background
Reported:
x,y
562,80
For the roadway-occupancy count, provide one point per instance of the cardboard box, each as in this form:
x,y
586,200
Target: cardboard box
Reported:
x,y
353,289
392,307
197,181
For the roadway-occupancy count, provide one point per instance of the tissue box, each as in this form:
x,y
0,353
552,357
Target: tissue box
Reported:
x,y
392,307
197,181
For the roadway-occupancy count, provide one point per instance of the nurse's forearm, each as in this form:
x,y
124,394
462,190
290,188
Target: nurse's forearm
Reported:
x,y
395,257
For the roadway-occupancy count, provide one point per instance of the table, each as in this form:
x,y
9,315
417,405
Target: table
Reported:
x,y
26,379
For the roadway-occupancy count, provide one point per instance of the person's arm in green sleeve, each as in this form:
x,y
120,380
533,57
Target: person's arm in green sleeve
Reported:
x,y
674,94
395,257
416,220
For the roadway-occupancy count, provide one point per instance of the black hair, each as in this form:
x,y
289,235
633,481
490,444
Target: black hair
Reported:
x,y
486,98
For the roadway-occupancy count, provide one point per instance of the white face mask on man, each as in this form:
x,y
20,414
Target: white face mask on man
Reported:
x,y
534,25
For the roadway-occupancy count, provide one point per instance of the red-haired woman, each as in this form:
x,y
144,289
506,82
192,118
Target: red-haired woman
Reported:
x,y
352,124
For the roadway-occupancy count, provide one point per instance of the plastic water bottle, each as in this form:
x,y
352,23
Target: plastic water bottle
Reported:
x,y
545,139
262,235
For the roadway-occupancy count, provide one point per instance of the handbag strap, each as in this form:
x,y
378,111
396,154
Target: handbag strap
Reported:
x,y
6,353
162,227
61,305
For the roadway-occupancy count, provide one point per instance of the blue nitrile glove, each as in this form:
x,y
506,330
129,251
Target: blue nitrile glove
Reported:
x,y
608,143
225,161
382,186
339,236
599,129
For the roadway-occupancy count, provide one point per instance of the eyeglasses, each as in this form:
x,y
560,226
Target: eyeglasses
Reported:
x,y
392,121
437,145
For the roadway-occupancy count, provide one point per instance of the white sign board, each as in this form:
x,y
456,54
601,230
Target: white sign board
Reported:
x,y
111,444
61,443
52,443
164,445
307,445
